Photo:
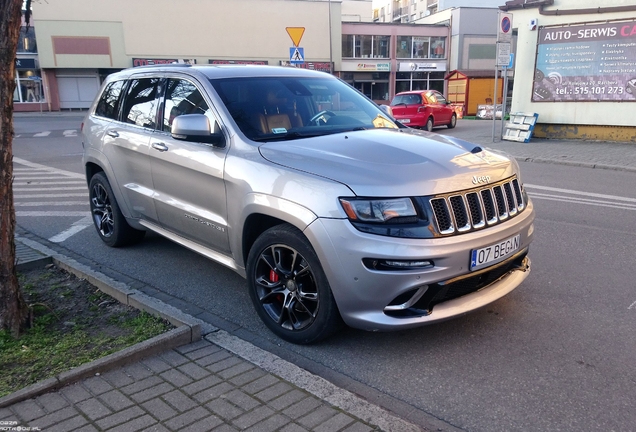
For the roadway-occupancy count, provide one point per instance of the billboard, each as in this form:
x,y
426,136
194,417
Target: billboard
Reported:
x,y
587,62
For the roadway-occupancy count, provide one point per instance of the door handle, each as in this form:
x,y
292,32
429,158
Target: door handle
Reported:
x,y
112,133
160,146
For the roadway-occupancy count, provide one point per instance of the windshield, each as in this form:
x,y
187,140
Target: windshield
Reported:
x,y
267,109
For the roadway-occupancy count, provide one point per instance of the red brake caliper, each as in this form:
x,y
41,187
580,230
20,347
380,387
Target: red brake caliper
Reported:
x,y
273,276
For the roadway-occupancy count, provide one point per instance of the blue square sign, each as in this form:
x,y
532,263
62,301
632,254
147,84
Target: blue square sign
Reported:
x,y
296,55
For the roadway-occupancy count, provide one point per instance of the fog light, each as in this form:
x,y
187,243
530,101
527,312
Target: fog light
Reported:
x,y
382,264
409,264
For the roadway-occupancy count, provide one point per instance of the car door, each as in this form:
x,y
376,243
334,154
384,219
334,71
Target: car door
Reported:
x,y
189,189
126,145
442,110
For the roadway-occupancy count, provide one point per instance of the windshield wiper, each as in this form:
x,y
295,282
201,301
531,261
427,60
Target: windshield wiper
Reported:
x,y
289,136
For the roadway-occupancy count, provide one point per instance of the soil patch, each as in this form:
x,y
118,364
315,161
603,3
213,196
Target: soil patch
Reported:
x,y
72,323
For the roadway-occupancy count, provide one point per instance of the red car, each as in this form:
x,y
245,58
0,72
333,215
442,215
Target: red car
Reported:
x,y
423,109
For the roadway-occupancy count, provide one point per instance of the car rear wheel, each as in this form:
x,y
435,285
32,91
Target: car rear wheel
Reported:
x,y
288,287
110,223
429,124
453,121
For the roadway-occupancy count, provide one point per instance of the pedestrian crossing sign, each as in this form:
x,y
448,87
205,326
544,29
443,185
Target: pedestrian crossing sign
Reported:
x,y
296,55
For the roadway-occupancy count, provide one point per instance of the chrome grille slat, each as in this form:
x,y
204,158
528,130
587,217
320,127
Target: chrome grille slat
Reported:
x,y
477,208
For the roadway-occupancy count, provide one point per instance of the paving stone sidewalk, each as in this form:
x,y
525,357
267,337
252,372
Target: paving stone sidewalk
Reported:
x,y
197,387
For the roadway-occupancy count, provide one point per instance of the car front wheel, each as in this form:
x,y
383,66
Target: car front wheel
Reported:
x,y
110,223
289,288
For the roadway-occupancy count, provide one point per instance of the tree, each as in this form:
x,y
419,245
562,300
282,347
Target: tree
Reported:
x,y
13,309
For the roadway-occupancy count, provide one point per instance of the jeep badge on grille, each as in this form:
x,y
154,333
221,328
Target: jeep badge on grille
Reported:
x,y
481,179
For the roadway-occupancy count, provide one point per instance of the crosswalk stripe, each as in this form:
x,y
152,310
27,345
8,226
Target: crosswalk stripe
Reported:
x,y
47,168
66,195
50,189
74,229
50,203
36,183
42,177
52,213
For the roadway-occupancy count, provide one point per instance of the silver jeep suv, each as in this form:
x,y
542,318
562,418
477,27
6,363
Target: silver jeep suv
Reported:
x,y
331,209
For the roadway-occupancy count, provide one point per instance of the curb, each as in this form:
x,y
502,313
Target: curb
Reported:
x,y
188,329
575,164
172,339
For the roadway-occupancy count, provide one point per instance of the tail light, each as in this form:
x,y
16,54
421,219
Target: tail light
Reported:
x,y
422,108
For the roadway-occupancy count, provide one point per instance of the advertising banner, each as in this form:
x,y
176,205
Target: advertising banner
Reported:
x,y
589,62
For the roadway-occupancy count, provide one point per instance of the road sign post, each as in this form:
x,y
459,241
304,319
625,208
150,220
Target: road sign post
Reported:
x,y
504,48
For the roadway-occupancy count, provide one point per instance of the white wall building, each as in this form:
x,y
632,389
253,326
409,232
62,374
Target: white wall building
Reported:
x,y
576,67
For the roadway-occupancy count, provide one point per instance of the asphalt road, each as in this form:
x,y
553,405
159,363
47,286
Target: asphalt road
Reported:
x,y
556,354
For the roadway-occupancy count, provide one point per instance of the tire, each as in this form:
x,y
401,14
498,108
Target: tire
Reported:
x,y
429,125
288,287
453,121
107,217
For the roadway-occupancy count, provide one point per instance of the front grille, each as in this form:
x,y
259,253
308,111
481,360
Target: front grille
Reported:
x,y
476,208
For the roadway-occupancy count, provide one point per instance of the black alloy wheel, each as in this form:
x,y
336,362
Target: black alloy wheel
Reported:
x,y
288,287
110,223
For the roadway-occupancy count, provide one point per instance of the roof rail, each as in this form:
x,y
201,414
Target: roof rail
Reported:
x,y
164,65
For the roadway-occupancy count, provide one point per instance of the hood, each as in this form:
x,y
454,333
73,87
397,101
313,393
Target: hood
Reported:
x,y
391,163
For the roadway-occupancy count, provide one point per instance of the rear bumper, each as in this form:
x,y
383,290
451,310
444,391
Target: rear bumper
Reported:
x,y
413,121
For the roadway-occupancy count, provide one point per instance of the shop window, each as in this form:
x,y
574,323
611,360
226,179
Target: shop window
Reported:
x,y
420,47
406,81
28,86
26,41
365,46
347,45
438,47
404,45
381,46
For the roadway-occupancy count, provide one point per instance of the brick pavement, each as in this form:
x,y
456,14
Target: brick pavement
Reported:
x,y
197,387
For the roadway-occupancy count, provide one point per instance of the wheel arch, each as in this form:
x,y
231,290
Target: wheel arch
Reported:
x,y
91,169
259,218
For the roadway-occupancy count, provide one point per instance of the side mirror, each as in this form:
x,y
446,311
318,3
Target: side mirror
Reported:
x,y
196,128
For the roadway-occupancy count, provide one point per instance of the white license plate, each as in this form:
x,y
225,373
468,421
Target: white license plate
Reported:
x,y
405,121
480,258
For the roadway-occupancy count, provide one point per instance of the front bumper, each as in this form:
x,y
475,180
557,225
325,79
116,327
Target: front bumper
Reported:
x,y
367,297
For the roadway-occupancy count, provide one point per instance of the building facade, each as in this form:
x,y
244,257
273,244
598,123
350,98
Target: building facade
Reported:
x,y
576,67
80,43
381,60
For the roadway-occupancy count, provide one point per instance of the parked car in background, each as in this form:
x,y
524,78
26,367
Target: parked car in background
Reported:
x,y
293,179
423,109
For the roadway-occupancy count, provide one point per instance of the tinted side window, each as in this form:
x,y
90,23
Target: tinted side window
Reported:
x,y
438,98
140,106
182,97
108,104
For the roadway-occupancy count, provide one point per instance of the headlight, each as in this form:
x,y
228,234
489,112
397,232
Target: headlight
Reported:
x,y
377,210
